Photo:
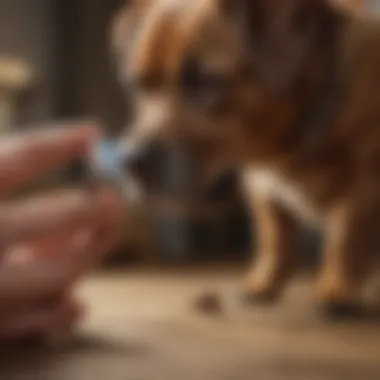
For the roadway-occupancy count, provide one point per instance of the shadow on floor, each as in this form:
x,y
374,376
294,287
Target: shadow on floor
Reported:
x,y
28,356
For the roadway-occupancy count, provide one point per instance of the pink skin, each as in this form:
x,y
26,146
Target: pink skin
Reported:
x,y
49,242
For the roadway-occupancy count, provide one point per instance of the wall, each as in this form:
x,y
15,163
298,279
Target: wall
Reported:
x,y
97,92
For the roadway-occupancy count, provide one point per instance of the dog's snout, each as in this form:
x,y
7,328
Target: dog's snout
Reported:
x,y
143,162
163,167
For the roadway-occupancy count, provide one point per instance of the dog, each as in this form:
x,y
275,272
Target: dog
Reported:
x,y
284,91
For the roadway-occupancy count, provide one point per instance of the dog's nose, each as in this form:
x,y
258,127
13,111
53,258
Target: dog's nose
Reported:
x,y
161,166
143,161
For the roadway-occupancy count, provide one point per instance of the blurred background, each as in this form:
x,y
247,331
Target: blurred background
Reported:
x,y
55,63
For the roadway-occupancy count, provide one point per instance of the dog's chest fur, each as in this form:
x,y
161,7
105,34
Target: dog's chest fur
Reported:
x,y
268,184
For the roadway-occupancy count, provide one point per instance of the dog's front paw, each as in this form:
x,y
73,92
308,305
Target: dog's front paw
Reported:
x,y
259,297
260,291
339,301
265,283
342,310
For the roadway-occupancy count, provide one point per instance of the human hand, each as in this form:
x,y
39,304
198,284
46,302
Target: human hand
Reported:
x,y
58,236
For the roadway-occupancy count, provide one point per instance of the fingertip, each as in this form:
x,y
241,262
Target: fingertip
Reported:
x,y
74,138
73,309
112,204
91,130
87,135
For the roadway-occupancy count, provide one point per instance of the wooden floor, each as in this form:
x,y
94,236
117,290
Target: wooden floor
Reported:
x,y
142,327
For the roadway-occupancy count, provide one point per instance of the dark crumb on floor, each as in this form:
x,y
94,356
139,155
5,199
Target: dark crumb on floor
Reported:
x,y
209,303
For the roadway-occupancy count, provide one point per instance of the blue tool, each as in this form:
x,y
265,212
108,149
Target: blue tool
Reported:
x,y
107,160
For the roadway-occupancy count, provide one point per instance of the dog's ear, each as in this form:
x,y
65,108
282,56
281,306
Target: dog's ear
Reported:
x,y
119,37
123,25
281,35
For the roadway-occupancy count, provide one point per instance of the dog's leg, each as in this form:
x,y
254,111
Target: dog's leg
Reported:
x,y
350,241
276,234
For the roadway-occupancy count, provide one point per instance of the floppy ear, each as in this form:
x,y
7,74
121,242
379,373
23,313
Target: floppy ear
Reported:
x,y
281,35
122,29
119,37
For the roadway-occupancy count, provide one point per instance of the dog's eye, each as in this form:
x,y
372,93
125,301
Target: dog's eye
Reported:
x,y
198,85
148,82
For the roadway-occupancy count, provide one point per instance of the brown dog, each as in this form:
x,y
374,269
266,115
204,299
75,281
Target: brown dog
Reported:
x,y
285,90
